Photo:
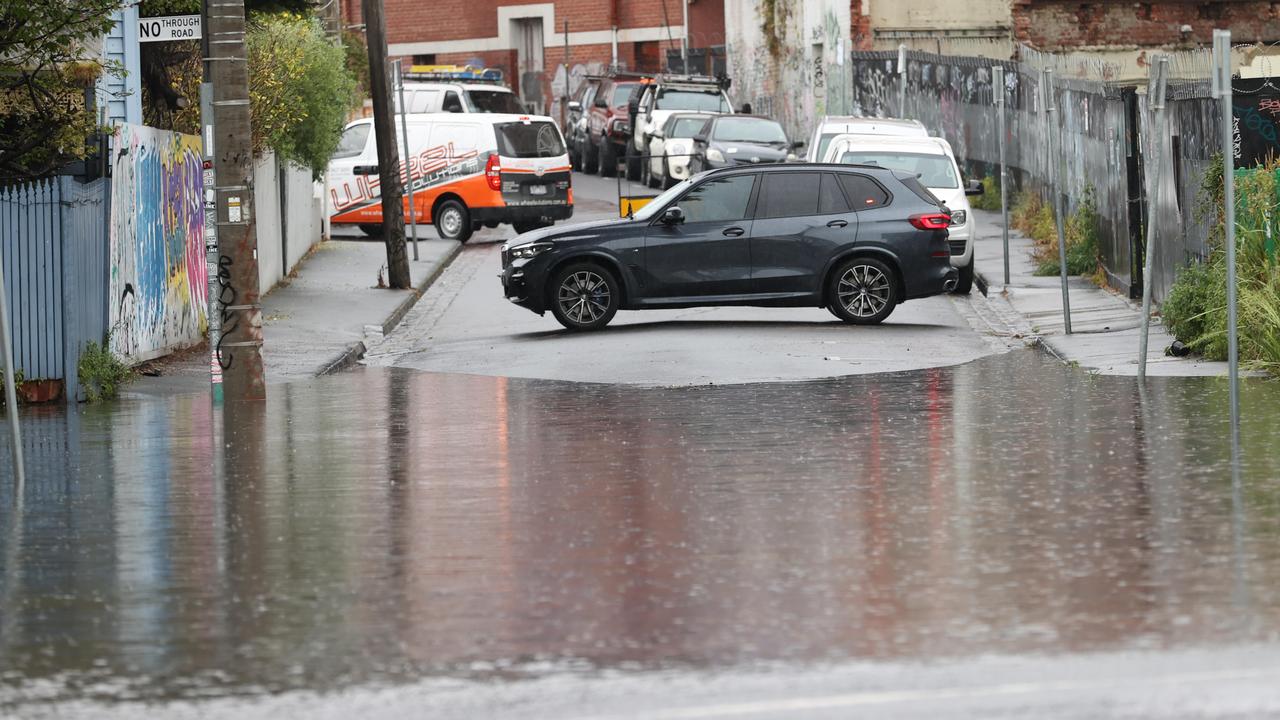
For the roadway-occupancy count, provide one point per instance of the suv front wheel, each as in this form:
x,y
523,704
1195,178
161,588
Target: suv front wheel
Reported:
x,y
584,296
863,291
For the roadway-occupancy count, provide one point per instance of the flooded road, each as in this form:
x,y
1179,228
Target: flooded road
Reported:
x,y
389,527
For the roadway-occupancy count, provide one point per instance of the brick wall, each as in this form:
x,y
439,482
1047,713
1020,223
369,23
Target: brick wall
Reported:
x,y
1056,25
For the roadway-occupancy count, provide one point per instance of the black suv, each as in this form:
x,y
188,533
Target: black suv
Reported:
x,y
854,239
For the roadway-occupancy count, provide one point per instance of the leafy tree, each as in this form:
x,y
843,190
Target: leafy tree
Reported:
x,y
48,64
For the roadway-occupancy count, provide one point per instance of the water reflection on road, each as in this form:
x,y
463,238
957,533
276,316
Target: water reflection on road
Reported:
x,y
385,525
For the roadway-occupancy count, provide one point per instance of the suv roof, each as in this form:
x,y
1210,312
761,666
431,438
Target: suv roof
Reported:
x,y
877,126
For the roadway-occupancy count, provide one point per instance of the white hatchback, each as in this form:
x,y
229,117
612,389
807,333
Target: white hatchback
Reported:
x,y
931,159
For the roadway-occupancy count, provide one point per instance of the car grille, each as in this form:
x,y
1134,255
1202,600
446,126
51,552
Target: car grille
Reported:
x,y
957,247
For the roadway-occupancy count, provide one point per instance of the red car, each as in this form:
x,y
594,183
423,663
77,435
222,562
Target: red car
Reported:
x,y
608,126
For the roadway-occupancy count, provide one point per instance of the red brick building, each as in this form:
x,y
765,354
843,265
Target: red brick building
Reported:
x,y
527,39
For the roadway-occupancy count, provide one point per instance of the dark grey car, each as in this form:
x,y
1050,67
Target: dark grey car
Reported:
x,y
856,240
730,140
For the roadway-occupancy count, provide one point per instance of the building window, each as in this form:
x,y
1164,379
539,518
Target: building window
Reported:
x,y
429,59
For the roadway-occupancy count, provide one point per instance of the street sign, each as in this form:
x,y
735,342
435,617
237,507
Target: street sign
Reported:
x,y
166,29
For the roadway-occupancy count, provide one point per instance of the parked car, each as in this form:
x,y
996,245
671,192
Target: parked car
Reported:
x,y
575,135
855,240
670,149
608,127
664,95
728,140
932,160
432,89
833,125
473,171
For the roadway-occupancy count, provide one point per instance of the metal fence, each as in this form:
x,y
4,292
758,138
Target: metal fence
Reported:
x,y
1105,131
53,235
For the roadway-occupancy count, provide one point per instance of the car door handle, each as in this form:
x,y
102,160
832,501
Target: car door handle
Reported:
x,y
733,231
837,223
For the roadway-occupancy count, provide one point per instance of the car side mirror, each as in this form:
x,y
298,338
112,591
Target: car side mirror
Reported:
x,y
600,103
700,139
364,170
575,106
672,216
797,145
974,188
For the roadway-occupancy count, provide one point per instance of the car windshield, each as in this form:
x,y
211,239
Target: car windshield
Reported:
x,y
621,94
653,206
711,100
685,127
935,171
528,140
494,101
753,130
353,141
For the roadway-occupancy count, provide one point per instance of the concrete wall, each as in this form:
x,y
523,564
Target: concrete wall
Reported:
x,y
288,211
805,80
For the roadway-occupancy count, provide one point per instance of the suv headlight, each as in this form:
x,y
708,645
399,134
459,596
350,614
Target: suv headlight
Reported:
x,y
528,250
620,125
715,155
959,217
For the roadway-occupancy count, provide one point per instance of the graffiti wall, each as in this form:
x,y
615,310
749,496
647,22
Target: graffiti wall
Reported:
x,y
158,278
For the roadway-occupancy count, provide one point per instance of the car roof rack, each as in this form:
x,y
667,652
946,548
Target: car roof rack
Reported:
x,y
454,73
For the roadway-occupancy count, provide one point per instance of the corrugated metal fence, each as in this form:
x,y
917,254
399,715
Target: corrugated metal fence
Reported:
x,y
53,235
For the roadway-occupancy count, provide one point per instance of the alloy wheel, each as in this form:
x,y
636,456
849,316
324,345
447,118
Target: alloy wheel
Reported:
x,y
584,297
864,291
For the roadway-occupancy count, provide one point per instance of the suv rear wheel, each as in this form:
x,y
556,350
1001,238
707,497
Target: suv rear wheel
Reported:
x,y
863,291
633,162
584,296
590,156
453,220
608,158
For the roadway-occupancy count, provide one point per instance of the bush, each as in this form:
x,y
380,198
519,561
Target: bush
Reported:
x,y
1081,233
101,373
17,385
1196,309
990,197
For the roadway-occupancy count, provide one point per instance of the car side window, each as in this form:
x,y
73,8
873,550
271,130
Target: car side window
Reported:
x,y
864,193
452,104
718,200
830,199
788,195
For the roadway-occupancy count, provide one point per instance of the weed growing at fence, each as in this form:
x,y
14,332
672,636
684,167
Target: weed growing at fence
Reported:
x,y
1034,217
1196,309
101,373
17,386
990,197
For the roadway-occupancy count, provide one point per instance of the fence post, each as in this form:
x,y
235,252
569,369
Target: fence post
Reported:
x,y
1159,75
68,238
997,86
902,80
1222,75
10,388
1055,176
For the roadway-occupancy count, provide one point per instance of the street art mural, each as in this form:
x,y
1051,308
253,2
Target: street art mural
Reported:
x,y
158,281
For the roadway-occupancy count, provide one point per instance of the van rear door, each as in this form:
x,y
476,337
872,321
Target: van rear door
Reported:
x,y
535,163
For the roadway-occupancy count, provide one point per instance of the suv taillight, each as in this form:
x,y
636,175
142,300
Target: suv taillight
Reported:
x,y
493,173
931,221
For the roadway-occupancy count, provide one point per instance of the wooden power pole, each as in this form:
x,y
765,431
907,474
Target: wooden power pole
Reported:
x,y
384,133
239,350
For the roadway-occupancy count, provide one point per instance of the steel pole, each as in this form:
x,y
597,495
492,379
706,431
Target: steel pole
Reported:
x,y
1222,53
210,184
1055,175
10,387
1159,73
684,39
408,164
997,86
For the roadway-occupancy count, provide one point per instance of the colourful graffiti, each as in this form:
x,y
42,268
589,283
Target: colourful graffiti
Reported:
x,y
158,288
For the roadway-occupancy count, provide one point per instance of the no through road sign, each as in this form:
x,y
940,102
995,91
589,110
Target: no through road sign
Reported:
x,y
173,27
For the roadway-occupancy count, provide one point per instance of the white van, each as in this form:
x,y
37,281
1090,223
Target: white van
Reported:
x,y
931,159
457,97
833,125
469,171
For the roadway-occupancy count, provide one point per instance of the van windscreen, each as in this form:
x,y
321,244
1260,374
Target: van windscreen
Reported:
x,y
494,101
528,140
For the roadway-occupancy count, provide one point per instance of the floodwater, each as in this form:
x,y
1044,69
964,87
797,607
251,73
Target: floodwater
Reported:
x,y
386,526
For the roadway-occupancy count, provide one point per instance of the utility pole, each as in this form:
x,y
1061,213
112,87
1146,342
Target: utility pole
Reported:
x,y
384,133
684,38
240,348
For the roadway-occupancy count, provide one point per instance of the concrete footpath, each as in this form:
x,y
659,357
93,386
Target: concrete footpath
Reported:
x,y
1105,326
316,322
